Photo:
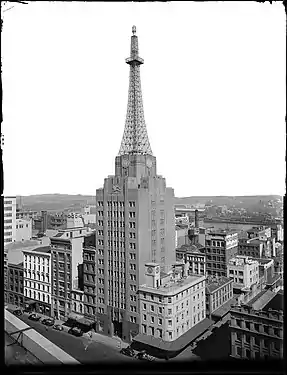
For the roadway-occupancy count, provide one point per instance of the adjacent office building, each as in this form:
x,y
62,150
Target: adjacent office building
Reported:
x,y
256,334
171,303
37,279
14,291
244,271
218,292
67,263
9,220
23,229
220,246
135,219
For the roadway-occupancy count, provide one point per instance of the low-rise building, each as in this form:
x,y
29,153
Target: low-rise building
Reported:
x,y
256,333
218,292
23,229
255,247
244,271
14,290
170,303
37,279
194,255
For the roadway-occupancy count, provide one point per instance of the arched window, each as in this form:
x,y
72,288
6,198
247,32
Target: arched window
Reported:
x,y
39,296
75,306
48,299
81,309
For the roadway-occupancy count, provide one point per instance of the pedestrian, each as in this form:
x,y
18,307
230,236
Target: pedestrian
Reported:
x,y
46,328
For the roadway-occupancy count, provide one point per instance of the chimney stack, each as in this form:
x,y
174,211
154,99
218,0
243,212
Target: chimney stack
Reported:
x,y
196,221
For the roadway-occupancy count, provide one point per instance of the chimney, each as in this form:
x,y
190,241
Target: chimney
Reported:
x,y
44,221
196,219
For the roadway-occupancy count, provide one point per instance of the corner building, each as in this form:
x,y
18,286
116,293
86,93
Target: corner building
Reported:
x,y
135,219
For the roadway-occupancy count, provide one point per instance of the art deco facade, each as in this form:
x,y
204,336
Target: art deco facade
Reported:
x,y
135,219
256,334
171,303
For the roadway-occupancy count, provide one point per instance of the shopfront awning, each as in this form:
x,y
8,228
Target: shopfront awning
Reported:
x,y
30,302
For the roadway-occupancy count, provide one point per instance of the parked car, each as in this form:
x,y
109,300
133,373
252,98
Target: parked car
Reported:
x,y
18,312
58,327
144,356
34,317
48,322
128,351
75,331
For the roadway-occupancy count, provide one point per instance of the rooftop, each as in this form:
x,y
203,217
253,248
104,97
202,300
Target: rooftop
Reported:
x,y
224,309
241,260
194,248
261,300
21,244
43,249
173,287
212,284
220,232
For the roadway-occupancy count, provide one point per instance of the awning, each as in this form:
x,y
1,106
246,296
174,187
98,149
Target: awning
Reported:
x,y
86,322
178,344
30,302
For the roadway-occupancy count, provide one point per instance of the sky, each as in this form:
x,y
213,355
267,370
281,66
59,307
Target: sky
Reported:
x,y
213,86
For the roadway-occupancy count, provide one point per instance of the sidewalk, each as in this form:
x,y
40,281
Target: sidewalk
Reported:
x,y
114,342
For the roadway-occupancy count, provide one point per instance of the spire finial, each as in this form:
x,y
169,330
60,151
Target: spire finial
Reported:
x,y
134,30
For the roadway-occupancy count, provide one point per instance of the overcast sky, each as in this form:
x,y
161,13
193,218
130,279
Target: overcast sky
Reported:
x,y
213,86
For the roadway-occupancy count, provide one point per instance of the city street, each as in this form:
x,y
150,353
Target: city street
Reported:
x,y
75,346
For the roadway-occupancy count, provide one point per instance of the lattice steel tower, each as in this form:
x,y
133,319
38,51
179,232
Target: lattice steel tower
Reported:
x,y
135,139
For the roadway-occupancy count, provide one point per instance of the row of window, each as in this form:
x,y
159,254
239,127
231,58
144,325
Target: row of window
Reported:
x,y
34,285
20,226
37,295
36,276
255,340
257,327
116,204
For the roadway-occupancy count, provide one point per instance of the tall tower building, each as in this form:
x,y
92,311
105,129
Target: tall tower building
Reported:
x,y
135,219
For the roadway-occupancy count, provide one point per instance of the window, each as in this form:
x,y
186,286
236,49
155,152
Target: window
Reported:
x,y
160,310
144,316
169,299
151,307
170,322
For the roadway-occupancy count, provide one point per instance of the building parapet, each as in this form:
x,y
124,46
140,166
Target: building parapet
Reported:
x,y
248,310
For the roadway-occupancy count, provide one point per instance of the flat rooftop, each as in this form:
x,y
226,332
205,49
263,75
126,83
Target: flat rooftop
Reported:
x,y
43,249
173,287
214,284
261,300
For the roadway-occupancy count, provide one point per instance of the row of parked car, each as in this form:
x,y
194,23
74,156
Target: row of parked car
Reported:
x,y
78,332
139,355
49,322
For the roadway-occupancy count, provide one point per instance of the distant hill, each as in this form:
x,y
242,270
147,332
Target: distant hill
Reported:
x,y
61,202
55,202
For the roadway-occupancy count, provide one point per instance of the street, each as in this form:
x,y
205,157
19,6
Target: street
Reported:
x,y
75,346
